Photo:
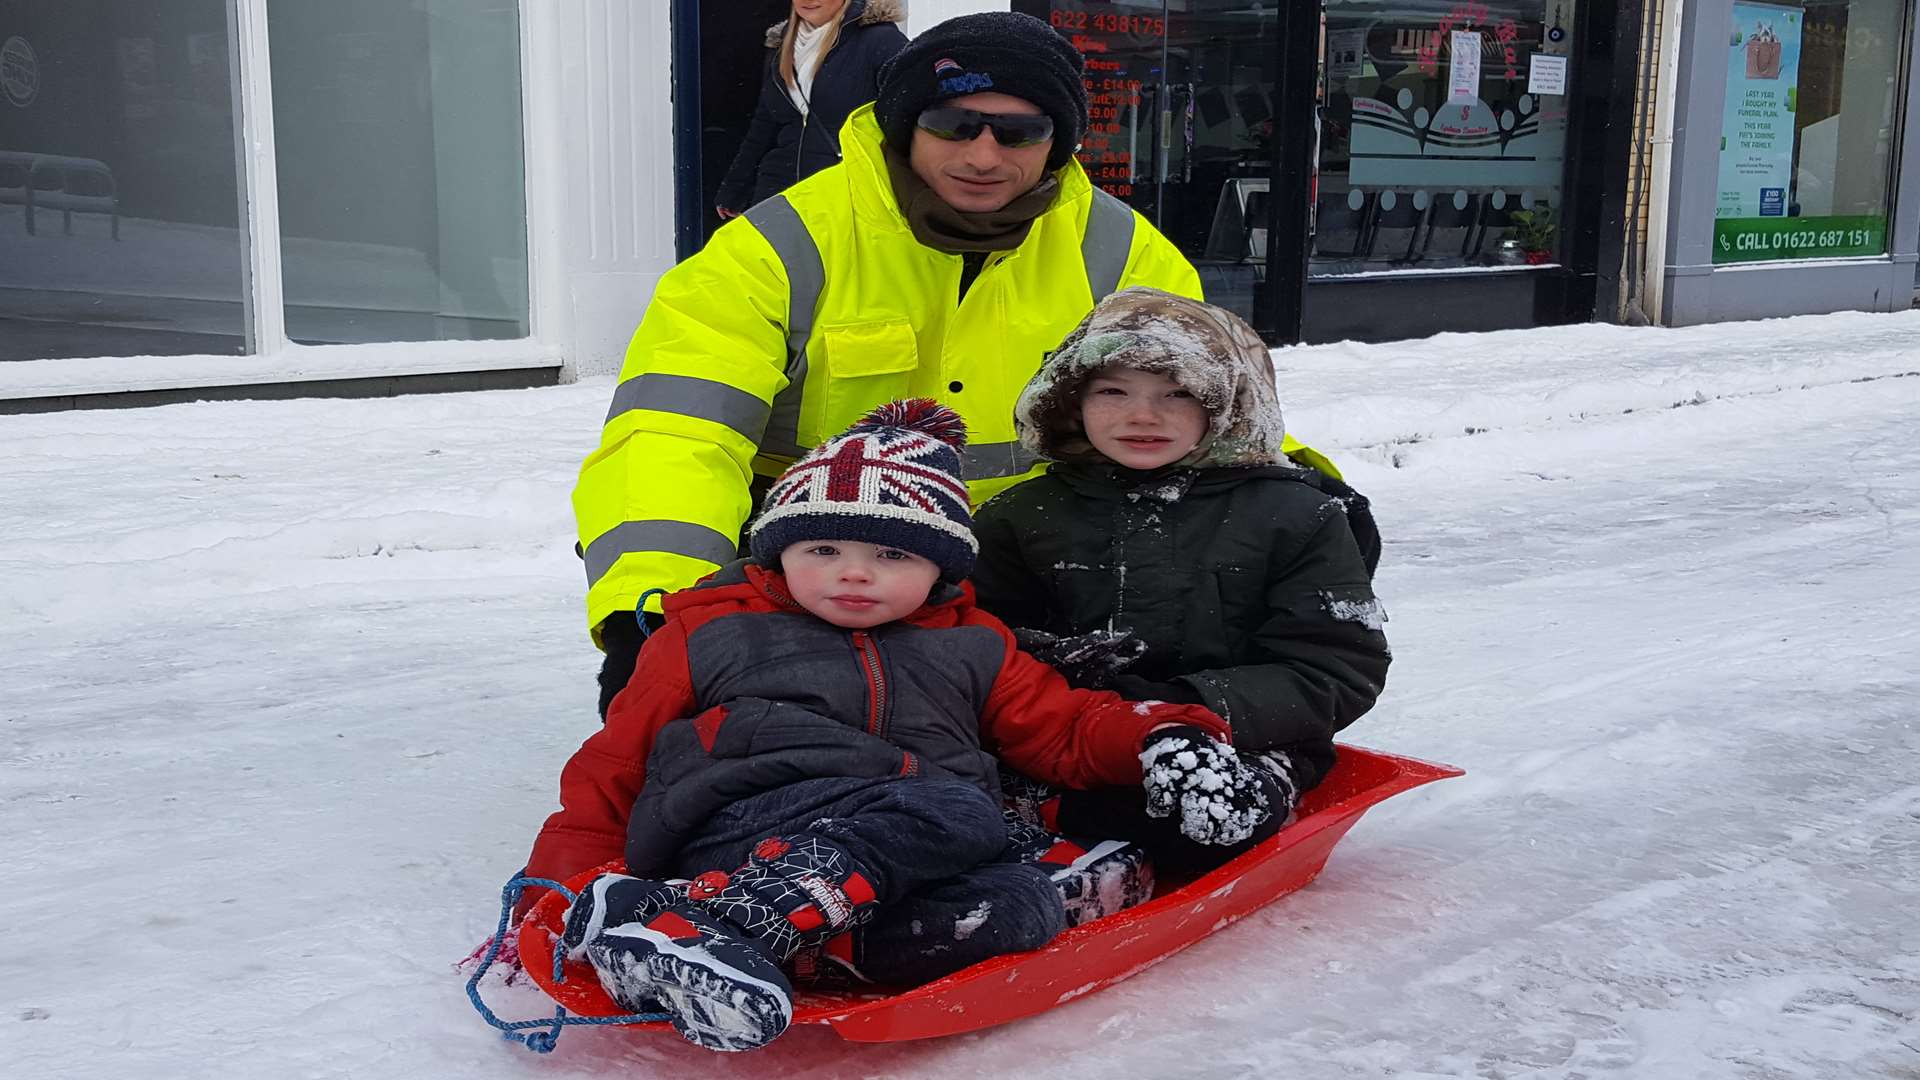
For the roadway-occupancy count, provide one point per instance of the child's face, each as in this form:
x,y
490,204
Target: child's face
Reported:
x,y
857,585
1139,419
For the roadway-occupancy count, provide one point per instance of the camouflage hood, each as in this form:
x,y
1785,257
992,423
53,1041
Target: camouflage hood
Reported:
x,y
1209,351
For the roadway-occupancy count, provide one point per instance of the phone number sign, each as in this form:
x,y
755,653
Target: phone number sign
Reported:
x,y
1757,239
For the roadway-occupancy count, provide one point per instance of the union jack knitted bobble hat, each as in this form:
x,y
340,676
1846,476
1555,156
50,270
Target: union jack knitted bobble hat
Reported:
x,y
893,479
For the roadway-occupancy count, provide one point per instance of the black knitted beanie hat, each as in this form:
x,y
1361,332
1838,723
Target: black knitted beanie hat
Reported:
x,y
999,51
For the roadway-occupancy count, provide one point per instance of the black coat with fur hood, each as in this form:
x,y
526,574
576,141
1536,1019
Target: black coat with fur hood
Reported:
x,y
1237,568
782,146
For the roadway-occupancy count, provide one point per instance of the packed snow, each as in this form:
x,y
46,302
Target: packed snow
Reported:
x,y
288,685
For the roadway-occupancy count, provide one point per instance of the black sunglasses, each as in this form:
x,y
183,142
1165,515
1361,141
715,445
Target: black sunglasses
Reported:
x,y
964,125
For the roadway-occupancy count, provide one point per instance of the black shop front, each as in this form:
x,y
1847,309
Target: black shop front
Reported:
x,y
1369,169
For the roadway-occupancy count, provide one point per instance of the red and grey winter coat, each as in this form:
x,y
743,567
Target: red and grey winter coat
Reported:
x,y
742,691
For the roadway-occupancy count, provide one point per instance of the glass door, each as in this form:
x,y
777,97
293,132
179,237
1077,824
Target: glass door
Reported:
x,y
1191,117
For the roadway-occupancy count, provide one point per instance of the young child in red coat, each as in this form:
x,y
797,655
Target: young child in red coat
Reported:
x,y
813,737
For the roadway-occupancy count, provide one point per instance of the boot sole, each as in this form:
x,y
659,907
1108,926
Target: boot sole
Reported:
x,y
709,1002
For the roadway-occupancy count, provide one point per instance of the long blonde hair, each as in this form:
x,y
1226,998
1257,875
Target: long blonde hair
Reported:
x,y
793,31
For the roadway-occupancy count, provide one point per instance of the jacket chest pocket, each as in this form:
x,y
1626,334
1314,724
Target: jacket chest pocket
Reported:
x,y
868,364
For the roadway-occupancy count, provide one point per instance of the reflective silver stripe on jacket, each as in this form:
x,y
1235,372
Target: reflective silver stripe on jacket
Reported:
x,y
806,279
990,461
685,395
1105,246
673,537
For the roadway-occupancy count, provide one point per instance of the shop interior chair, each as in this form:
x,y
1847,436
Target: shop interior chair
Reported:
x,y
1255,214
1491,217
1340,229
1401,214
1239,229
1458,210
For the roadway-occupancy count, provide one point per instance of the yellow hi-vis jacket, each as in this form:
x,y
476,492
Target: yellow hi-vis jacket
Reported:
x,y
798,318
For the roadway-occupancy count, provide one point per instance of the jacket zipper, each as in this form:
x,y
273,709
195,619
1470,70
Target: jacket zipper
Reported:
x,y
869,651
800,144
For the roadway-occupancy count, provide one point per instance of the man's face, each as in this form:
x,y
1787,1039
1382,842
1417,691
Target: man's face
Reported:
x,y
979,175
857,585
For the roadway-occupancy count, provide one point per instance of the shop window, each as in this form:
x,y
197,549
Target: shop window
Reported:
x,y
1181,124
1442,135
1807,138
119,212
397,131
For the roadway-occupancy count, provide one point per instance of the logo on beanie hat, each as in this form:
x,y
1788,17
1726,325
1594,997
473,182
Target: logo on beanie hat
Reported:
x,y
961,81
893,479
970,83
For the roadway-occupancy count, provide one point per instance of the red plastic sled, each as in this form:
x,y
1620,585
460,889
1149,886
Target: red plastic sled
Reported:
x,y
1078,962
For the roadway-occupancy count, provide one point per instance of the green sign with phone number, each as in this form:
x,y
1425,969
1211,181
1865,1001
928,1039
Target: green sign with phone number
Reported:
x,y
1755,239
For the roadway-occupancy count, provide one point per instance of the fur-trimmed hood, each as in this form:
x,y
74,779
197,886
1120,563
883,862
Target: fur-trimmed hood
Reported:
x,y
1209,351
858,13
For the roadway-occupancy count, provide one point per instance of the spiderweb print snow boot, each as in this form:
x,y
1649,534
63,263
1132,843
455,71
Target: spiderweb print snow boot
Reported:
x,y
719,990
1099,878
830,965
713,961
615,900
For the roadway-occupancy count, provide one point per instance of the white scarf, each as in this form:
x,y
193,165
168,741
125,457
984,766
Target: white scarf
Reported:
x,y
806,62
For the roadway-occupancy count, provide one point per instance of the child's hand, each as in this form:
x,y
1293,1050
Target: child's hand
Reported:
x,y
1218,798
1087,660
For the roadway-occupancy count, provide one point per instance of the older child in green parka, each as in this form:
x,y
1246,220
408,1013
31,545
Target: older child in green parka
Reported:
x,y
1172,538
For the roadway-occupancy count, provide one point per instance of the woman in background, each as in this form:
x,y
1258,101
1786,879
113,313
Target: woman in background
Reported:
x,y
825,63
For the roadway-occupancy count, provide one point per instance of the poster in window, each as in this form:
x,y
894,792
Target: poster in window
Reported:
x,y
1757,131
1758,216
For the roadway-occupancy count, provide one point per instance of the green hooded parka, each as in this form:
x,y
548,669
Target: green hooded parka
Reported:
x,y
1238,569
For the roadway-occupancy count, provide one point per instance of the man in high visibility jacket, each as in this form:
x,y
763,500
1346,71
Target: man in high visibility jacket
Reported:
x,y
954,245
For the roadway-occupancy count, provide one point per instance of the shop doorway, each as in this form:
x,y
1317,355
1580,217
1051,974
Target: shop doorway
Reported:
x,y
1188,123
733,64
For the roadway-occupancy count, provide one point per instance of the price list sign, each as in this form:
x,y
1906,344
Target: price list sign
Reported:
x,y
1121,50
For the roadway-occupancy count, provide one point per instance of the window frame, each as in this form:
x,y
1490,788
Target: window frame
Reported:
x,y
1908,65
270,356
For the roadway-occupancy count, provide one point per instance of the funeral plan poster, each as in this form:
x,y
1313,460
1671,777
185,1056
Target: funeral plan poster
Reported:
x,y
1756,217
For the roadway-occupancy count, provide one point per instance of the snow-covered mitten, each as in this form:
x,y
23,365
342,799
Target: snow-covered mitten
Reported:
x,y
1188,772
615,900
1087,660
719,988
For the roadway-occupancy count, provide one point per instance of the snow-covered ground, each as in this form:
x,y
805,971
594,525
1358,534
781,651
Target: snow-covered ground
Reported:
x,y
286,687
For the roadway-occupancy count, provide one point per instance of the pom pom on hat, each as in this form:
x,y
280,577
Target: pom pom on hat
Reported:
x,y
918,414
